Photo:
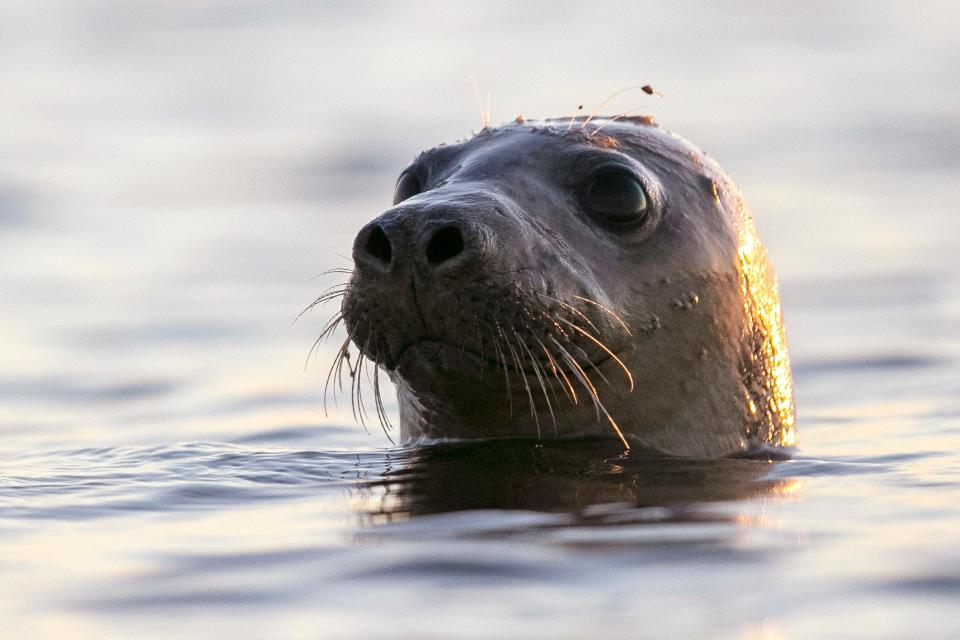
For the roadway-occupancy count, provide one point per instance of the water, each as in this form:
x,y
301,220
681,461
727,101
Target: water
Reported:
x,y
173,175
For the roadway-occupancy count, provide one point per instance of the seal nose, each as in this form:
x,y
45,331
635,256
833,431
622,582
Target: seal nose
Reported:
x,y
446,243
378,245
373,247
401,242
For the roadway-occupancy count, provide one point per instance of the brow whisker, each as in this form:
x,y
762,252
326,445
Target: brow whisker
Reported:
x,y
608,99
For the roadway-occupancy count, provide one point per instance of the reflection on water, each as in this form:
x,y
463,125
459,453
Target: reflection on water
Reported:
x,y
563,477
566,476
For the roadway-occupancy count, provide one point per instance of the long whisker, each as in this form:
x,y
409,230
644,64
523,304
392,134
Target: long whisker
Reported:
x,y
340,285
335,366
616,427
344,360
331,325
378,403
571,308
480,349
609,311
558,372
597,342
597,403
579,374
608,99
506,372
586,358
484,114
543,388
573,118
324,297
353,381
543,367
328,330
520,374
329,271
357,382
622,114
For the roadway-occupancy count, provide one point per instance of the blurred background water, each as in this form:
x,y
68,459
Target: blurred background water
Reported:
x,y
173,176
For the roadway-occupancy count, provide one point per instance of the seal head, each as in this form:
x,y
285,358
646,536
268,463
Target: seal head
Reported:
x,y
559,279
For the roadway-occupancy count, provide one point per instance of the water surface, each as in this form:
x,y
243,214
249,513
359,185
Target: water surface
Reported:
x,y
172,178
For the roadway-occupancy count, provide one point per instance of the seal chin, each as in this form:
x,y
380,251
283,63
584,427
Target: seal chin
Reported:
x,y
430,365
437,355
450,374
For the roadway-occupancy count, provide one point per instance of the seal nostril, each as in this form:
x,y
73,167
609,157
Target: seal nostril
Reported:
x,y
378,245
445,244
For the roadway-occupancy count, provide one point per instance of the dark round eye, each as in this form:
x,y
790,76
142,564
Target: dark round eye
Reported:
x,y
407,186
617,196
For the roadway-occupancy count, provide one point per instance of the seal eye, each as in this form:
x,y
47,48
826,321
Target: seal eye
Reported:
x,y
618,197
407,186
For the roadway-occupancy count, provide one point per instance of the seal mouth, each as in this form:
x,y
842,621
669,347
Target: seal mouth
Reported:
x,y
449,355
435,345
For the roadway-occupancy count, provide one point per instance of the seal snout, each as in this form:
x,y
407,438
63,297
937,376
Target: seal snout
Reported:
x,y
420,274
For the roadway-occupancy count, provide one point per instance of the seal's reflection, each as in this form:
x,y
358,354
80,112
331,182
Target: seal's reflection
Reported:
x,y
559,477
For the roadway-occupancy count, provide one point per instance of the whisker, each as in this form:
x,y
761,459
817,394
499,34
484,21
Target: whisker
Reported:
x,y
325,297
513,354
571,308
334,270
557,372
610,353
510,272
586,358
616,428
506,374
573,118
484,114
580,374
364,364
543,388
609,311
335,366
332,325
620,115
356,390
542,367
608,99
597,403
344,359
483,358
352,370
378,402
523,377
313,347
340,285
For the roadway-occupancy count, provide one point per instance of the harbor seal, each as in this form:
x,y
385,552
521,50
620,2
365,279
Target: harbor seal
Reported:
x,y
572,277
